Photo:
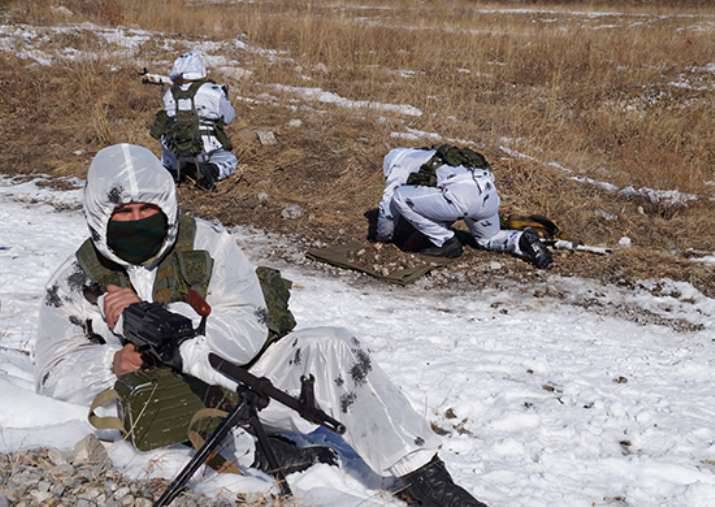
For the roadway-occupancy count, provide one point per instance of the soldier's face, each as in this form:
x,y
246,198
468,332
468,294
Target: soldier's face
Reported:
x,y
134,211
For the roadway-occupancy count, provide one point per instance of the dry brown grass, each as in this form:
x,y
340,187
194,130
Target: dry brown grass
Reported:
x,y
596,98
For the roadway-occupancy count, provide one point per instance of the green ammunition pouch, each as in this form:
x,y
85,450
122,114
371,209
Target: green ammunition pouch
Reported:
x,y
446,154
183,132
157,407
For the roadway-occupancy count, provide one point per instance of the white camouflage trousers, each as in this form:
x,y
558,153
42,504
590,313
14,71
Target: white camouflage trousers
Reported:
x,y
433,210
382,427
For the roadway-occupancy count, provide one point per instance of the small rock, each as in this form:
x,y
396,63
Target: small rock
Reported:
x,y
127,500
641,211
40,496
65,470
262,197
295,123
321,67
292,211
56,457
121,492
4,502
57,489
61,10
43,486
91,451
625,242
142,502
495,266
266,137
91,493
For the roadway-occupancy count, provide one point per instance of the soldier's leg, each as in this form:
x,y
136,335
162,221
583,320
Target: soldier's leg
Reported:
x,y
168,160
382,426
427,210
225,161
483,223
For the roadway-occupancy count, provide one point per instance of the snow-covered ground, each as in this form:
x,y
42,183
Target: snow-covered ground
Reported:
x,y
544,403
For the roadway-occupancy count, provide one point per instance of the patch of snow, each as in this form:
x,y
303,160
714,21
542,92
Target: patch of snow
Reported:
x,y
539,394
414,135
320,95
673,198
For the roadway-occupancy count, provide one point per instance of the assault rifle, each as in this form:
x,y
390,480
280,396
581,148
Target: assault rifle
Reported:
x,y
549,233
155,79
575,246
157,334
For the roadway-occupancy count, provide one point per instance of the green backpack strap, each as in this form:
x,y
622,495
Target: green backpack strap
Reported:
x,y
98,269
215,460
276,293
104,399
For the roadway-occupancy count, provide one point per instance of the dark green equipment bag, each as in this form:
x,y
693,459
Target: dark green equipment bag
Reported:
x,y
449,155
158,407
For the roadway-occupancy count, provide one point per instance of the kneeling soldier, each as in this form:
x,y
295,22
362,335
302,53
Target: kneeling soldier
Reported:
x,y
433,188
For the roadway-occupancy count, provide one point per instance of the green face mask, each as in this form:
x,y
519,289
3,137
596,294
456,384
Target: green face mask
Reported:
x,y
137,241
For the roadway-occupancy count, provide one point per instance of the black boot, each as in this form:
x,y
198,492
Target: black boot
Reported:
x,y
451,248
292,458
534,250
207,176
432,486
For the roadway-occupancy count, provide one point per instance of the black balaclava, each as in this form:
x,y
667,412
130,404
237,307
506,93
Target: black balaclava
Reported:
x,y
137,241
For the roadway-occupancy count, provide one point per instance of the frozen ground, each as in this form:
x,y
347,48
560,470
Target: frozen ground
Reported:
x,y
542,402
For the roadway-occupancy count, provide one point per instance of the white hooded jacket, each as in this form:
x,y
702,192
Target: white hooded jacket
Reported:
x,y
68,365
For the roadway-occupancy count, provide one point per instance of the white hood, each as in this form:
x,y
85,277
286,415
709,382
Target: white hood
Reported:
x,y
121,174
189,66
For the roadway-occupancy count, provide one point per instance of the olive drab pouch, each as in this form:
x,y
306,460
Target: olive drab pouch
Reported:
x,y
160,126
156,407
183,133
276,292
449,155
455,156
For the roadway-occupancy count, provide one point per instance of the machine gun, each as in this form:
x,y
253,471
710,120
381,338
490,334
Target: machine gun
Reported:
x,y
157,333
255,393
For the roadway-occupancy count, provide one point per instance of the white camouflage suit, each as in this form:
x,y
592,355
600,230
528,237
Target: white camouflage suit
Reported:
x,y
211,104
461,194
381,425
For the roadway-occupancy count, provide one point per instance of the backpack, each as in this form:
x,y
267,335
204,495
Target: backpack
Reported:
x,y
451,156
183,135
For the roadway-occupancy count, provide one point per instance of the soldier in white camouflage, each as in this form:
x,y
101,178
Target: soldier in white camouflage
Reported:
x,y
141,249
432,188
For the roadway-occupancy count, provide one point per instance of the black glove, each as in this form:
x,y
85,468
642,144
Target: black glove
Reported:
x,y
157,333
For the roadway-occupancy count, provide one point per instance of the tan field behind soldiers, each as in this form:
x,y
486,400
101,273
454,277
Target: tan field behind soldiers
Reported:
x,y
598,115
